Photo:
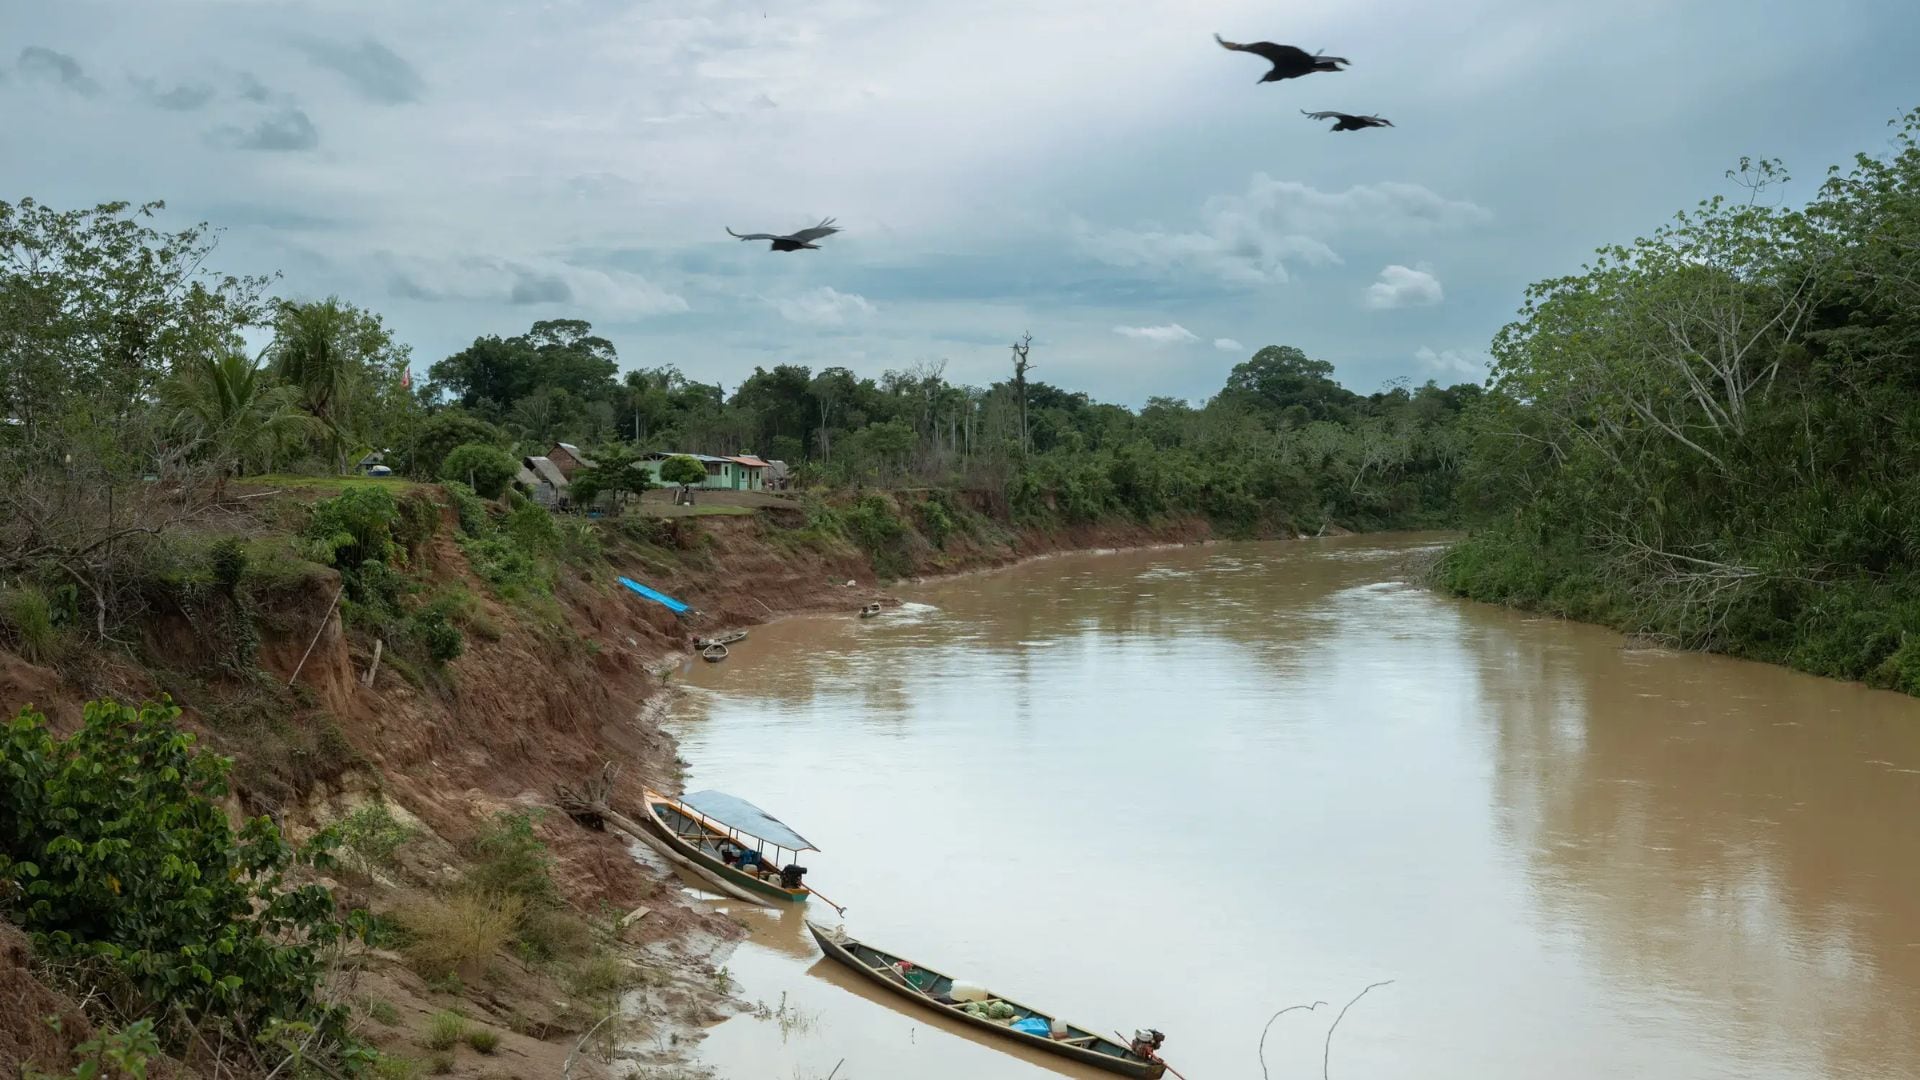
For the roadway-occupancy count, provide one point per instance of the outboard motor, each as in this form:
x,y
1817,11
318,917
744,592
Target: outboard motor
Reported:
x,y
1145,1042
791,874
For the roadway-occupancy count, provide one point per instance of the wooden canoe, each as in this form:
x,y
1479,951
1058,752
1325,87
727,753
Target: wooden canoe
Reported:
x,y
929,987
682,835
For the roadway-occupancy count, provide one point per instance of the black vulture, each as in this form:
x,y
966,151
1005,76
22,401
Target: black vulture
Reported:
x,y
1288,62
803,239
1348,121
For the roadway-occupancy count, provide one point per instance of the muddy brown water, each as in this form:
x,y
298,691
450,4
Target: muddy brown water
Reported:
x,y
1185,788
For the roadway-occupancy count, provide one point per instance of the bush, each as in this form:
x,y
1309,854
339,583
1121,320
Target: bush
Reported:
x,y
554,934
392,1067
484,1040
356,527
510,860
28,617
443,640
445,1030
118,861
872,525
486,469
444,937
936,522
371,835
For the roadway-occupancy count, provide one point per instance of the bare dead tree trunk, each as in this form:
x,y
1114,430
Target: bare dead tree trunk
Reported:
x,y
1020,367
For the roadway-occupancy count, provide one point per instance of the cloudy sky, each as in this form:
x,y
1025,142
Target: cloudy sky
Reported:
x,y
1098,173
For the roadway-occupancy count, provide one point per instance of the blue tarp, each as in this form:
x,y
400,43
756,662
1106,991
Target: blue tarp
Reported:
x,y
740,814
660,598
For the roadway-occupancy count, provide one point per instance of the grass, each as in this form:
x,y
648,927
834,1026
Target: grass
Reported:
x,y
483,1040
381,1011
440,1064
600,975
696,510
445,1030
394,1067
28,617
554,934
329,483
445,936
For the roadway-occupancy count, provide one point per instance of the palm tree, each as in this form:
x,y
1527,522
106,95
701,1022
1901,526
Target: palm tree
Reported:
x,y
233,411
312,351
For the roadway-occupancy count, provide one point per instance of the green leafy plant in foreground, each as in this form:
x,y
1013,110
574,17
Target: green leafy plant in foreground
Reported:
x,y
117,859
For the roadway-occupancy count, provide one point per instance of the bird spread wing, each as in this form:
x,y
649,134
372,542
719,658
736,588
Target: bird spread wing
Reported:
x,y
752,236
1325,115
1378,121
825,228
1267,50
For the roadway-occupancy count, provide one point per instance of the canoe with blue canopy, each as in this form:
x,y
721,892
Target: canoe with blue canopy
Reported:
x,y
723,839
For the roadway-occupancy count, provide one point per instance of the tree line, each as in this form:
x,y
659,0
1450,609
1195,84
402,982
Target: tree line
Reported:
x,y
1712,435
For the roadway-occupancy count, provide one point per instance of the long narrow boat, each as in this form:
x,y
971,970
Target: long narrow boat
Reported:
x,y
930,988
695,828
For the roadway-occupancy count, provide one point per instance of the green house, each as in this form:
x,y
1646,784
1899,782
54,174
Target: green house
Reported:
x,y
742,473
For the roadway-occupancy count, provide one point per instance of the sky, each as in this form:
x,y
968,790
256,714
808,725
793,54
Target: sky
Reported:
x,y
1100,175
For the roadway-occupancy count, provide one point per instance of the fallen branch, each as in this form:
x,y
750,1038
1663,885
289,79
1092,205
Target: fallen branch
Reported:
x,y
566,1070
316,635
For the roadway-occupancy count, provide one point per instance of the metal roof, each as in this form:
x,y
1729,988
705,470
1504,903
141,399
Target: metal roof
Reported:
x,y
548,471
748,460
738,813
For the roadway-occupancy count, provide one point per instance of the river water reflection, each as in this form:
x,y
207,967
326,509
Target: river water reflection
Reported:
x,y
1184,788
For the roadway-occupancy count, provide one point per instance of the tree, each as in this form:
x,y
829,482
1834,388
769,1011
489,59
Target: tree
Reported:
x,y
1020,367
486,469
618,470
342,360
685,471
1280,376
441,432
234,413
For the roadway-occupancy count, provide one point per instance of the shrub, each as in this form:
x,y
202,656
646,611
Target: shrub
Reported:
x,y
554,934
601,975
936,522
227,559
484,1040
872,525
486,469
442,433
126,1052
442,638
355,527
28,616
382,1012
371,835
445,1030
118,861
510,860
446,936
440,1064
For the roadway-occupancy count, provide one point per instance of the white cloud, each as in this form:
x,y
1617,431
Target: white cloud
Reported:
x,y
1454,361
528,281
1170,334
1403,286
1252,238
824,306
1227,344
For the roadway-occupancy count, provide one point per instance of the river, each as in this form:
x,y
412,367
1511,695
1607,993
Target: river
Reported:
x,y
1185,788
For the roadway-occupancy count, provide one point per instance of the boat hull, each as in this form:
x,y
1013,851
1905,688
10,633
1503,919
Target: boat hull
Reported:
x,y
712,864
1148,1070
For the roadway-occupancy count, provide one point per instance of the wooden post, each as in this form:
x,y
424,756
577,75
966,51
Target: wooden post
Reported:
x,y
378,645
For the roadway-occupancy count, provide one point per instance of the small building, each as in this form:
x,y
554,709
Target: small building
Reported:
x,y
568,459
548,483
742,473
778,475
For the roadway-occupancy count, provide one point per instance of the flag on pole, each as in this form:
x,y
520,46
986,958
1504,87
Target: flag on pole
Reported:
x,y
406,378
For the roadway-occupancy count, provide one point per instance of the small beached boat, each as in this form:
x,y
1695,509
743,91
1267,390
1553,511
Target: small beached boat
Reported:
x,y
727,638
870,611
696,830
714,653
932,989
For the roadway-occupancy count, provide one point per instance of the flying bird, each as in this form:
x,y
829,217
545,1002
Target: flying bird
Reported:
x,y
1288,62
1348,121
803,239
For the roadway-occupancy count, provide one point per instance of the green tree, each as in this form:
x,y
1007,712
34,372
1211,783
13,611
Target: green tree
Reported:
x,y
439,433
618,470
233,412
685,471
343,361
486,469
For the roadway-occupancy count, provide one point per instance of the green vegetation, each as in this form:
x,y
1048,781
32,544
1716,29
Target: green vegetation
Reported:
x,y
509,860
445,936
483,1040
119,863
486,469
123,1053
28,619
1712,435
371,835
445,1030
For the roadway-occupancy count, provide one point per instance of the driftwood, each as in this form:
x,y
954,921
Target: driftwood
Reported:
x,y
588,805
373,668
324,620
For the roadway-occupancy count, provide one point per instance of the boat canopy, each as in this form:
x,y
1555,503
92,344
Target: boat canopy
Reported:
x,y
738,813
